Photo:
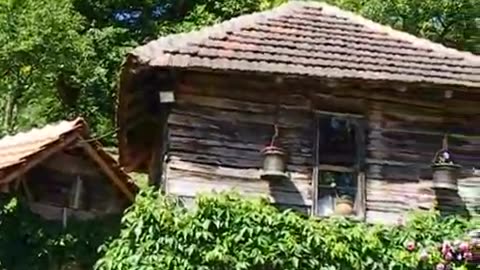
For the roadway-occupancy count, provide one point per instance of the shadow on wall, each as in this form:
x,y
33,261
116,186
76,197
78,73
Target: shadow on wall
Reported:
x,y
449,202
287,196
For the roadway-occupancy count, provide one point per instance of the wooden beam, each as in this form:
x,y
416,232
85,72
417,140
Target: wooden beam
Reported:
x,y
39,157
157,159
92,152
335,168
316,169
361,196
26,189
18,182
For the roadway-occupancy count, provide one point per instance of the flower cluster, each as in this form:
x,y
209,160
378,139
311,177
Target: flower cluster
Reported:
x,y
451,253
456,252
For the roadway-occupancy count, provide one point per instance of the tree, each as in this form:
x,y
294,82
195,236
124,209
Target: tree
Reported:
x,y
454,23
39,41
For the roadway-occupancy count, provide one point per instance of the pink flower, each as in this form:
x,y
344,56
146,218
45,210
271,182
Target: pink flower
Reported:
x,y
448,256
410,246
464,246
446,247
440,266
468,256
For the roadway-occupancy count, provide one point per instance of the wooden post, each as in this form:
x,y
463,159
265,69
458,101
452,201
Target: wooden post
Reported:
x,y
360,168
27,191
155,168
64,217
76,200
316,171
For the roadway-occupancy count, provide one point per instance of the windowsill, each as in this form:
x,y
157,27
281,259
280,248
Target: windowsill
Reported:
x,y
350,217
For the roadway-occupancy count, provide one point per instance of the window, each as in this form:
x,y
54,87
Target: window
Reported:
x,y
339,182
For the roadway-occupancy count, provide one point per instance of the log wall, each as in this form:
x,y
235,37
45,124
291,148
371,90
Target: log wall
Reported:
x,y
220,123
48,187
402,142
216,133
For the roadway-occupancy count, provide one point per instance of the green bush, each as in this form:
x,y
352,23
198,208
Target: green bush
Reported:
x,y
227,232
29,242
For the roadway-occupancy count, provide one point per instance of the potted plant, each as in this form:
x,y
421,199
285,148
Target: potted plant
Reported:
x,y
273,160
474,235
344,205
444,169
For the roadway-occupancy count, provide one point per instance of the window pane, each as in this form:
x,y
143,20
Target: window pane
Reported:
x,y
336,141
333,188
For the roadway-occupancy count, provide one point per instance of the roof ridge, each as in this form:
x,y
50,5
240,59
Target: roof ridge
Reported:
x,y
415,40
190,49
179,40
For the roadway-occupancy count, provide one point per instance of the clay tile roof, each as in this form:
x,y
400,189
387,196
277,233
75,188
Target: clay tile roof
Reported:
x,y
16,148
313,39
26,147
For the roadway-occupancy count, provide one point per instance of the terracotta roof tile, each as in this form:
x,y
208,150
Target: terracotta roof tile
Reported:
x,y
23,147
16,148
314,39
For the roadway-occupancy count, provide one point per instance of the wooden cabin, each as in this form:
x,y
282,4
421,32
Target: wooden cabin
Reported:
x,y
62,172
359,109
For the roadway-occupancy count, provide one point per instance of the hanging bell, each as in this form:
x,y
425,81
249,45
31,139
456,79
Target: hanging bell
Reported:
x,y
273,163
445,171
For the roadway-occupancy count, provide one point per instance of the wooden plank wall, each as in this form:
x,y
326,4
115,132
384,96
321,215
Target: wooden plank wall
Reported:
x,y
216,133
218,126
51,184
402,142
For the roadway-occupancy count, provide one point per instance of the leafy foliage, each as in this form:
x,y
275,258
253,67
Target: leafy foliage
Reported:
x,y
227,232
453,23
29,242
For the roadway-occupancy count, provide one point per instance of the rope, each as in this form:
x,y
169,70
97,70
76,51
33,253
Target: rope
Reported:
x,y
101,136
275,120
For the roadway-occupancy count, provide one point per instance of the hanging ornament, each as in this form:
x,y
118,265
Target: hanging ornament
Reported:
x,y
445,171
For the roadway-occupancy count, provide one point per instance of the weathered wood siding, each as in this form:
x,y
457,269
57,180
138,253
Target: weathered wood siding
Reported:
x,y
220,123
402,142
49,186
216,133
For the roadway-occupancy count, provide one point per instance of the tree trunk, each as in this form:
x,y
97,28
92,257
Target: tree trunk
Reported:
x,y
9,109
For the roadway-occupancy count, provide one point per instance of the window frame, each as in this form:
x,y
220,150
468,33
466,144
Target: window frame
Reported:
x,y
358,168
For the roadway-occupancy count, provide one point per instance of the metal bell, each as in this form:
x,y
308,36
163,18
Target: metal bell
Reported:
x,y
445,176
273,163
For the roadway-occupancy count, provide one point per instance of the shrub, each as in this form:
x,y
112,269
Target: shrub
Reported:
x,y
227,232
30,242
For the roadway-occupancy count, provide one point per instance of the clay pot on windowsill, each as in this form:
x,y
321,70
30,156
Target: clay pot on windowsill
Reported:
x,y
344,206
445,175
273,163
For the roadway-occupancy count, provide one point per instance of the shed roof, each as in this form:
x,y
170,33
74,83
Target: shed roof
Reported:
x,y
24,150
313,39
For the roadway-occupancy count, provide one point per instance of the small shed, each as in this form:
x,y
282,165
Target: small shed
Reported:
x,y
359,109
63,172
